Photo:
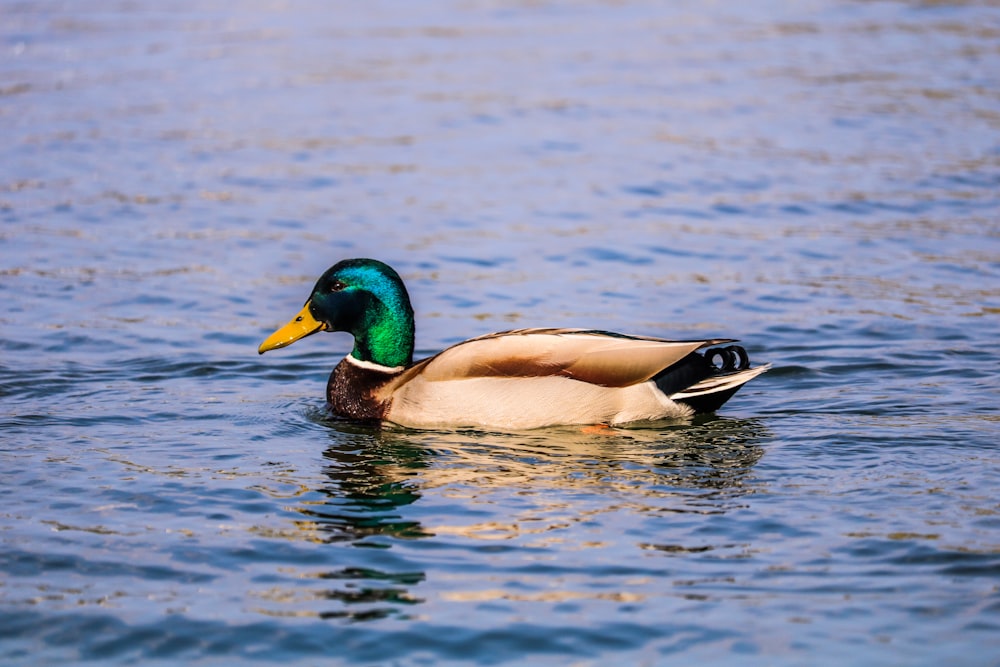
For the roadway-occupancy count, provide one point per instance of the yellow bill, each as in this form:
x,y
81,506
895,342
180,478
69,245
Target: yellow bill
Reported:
x,y
302,325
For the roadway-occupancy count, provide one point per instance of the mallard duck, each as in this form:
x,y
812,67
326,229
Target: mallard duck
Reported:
x,y
521,379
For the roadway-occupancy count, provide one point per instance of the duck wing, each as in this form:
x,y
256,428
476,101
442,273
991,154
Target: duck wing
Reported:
x,y
596,357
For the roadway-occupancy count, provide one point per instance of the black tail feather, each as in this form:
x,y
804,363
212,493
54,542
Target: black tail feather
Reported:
x,y
709,402
695,367
688,371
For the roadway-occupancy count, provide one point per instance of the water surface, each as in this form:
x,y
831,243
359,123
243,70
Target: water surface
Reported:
x,y
819,179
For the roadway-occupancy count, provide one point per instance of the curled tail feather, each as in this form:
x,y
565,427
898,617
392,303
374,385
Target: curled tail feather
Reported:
x,y
706,380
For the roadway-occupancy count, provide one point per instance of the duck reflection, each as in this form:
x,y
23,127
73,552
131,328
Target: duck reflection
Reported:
x,y
709,458
371,474
371,478
712,458
369,594
376,472
476,487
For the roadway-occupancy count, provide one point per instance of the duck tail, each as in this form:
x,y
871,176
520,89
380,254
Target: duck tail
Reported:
x,y
705,381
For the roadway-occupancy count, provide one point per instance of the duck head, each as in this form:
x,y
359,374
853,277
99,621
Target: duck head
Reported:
x,y
365,298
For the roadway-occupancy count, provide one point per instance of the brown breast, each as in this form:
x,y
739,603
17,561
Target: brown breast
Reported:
x,y
351,391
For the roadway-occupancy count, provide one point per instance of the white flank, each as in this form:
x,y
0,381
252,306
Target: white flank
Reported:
x,y
525,403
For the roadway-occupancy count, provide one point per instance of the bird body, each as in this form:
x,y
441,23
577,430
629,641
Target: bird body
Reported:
x,y
521,379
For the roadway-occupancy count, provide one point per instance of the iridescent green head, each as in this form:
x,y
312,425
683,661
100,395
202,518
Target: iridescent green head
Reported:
x,y
365,298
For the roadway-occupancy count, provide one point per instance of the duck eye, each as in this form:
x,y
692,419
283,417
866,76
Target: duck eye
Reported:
x,y
337,286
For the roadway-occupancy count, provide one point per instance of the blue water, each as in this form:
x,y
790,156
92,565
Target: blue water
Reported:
x,y
820,179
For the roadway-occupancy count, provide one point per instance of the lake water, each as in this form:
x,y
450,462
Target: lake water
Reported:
x,y
820,179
